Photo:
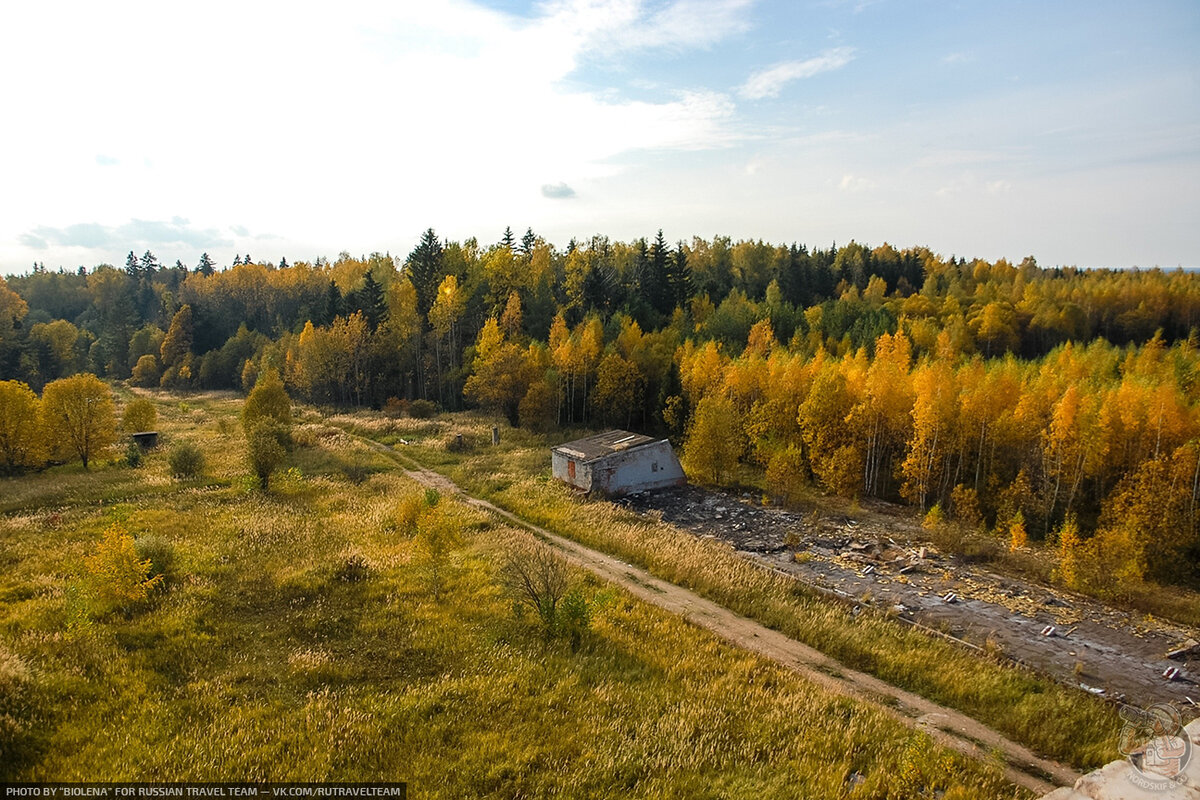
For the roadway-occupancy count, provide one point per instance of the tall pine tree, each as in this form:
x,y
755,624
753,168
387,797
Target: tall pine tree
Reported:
x,y
425,269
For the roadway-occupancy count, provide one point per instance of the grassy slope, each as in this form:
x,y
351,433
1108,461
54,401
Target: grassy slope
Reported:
x,y
1053,720
262,662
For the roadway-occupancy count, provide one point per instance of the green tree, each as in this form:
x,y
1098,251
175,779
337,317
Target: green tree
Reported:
x,y
140,415
267,401
265,449
425,269
79,413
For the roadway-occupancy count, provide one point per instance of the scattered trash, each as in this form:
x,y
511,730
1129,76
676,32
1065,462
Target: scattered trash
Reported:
x,y
868,570
1171,673
950,597
1189,648
1093,689
1049,630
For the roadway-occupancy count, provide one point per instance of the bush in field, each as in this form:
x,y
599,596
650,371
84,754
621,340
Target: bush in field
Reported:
x,y
186,460
133,454
538,580
140,415
269,401
395,407
422,409
117,577
437,536
146,372
265,450
160,553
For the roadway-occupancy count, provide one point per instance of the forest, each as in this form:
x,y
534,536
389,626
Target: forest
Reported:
x,y
1052,408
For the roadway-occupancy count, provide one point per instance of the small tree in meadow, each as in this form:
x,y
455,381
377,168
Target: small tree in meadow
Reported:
x,y
265,450
268,400
140,415
79,415
117,576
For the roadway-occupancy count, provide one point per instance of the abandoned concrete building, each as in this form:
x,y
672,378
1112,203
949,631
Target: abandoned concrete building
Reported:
x,y
617,463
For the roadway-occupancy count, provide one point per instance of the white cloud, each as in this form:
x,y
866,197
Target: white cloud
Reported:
x,y
770,82
855,183
359,125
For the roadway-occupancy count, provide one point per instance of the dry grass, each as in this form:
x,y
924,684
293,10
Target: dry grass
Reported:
x,y
263,662
1051,719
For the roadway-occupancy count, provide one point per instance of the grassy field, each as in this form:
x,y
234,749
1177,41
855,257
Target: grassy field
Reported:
x,y
298,638
1056,721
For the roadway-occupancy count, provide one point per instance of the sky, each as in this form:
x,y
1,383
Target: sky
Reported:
x,y
1069,131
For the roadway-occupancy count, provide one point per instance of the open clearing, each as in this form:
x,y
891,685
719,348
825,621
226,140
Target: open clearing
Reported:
x,y
946,725
300,638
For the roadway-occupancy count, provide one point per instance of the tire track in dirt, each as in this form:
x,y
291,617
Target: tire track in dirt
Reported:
x,y
947,726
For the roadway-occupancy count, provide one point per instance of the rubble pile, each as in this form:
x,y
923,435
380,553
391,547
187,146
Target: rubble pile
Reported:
x,y
876,556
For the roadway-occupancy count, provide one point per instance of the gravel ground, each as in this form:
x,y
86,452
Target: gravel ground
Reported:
x,y
874,556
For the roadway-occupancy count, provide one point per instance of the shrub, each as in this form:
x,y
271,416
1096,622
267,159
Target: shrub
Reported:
x,y
160,553
133,454
145,372
118,577
422,409
354,568
268,402
407,512
265,450
395,407
186,460
140,415
355,473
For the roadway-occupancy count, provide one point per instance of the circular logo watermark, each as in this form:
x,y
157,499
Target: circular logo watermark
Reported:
x,y
1154,741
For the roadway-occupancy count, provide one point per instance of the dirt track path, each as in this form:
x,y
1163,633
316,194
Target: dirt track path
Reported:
x,y
951,728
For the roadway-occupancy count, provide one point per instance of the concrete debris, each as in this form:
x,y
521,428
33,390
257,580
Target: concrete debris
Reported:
x,y
1185,651
881,558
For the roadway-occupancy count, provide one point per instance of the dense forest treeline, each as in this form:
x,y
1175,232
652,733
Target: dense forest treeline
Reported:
x,y
1054,404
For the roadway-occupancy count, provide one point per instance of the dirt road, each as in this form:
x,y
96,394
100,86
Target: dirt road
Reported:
x,y
946,725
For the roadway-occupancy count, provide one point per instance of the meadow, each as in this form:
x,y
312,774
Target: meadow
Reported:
x,y
305,634
1053,720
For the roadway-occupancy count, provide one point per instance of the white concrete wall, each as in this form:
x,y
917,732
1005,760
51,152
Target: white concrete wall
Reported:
x,y
650,467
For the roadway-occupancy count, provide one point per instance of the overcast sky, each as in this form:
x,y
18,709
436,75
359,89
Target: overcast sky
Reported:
x,y
1065,130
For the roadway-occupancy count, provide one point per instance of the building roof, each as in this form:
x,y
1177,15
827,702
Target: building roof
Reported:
x,y
603,444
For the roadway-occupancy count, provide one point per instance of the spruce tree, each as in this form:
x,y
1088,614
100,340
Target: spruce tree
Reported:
x,y
527,242
206,266
656,282
680,276
508,240
371,302
149,263
333,304
425,269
